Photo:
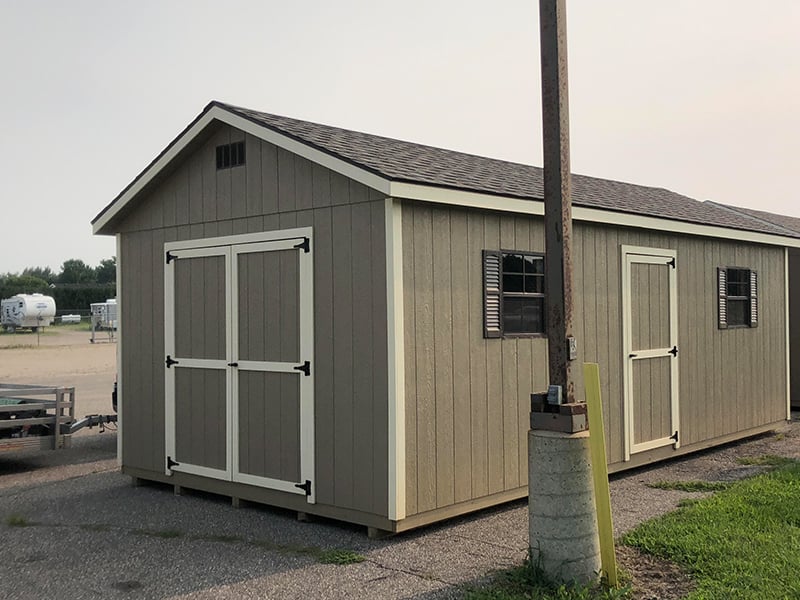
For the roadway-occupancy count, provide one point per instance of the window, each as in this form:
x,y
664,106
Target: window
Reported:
x,y
738,297
230,155
513,285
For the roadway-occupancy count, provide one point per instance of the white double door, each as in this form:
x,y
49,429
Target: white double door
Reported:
x,y
239,359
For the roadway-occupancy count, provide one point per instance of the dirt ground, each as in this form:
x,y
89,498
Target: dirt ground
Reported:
x,y
63,358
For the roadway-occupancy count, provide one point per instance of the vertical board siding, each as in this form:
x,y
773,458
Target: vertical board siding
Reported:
x,y
503,373
729,380
273,190
467,398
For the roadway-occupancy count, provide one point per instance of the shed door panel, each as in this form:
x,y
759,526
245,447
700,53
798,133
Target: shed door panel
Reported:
x,y
201,429
269,425
651,349
200,300
269,320
650,306
651,400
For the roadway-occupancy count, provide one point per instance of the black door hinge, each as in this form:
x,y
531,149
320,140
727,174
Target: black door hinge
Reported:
x,y
170,361
170,257
671,262
674,351
674,437
305,368
171,463
306,487
305,245
233,364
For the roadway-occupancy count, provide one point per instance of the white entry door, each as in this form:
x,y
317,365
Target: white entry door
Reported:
x,y
239,359
650,345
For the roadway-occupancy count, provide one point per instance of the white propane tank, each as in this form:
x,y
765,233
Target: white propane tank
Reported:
x,y
27,310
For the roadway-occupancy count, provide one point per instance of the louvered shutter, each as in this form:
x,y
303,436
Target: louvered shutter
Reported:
x,y
753,299
722,281
492,294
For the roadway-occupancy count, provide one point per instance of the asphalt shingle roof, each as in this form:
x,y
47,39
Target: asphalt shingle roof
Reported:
x,y
409,162
790,224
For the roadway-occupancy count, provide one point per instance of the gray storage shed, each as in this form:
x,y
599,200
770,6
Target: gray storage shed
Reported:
x,y
351,326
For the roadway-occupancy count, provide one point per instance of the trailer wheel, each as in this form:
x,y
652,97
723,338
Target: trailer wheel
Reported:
x,y
10,328
34,329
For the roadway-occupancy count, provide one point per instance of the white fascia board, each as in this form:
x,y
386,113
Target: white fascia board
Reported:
x,y
302,149
152,171
594,215
268,135
427,193
412,191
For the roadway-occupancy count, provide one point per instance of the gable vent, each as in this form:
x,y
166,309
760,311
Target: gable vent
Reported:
x,y
230,155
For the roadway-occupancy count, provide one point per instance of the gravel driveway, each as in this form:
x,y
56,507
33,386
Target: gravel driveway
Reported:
x,y
74,527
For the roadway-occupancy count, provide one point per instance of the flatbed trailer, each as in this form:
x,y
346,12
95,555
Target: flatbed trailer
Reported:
x,y
35,417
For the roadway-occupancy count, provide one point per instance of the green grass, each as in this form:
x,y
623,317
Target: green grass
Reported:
x,y
691,486
529,582
766,460
17,521
340,556
743,542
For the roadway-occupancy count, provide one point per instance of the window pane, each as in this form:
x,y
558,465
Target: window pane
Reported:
x,y
738,275
512,283
534,264
738,282
738,312
534,284
523,315
513,263
738,289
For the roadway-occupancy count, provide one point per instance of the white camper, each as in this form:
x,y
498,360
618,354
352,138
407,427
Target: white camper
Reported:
x,y
27,311
104,316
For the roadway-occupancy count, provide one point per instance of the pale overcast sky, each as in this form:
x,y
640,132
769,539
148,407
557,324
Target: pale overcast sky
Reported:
x,y
701,97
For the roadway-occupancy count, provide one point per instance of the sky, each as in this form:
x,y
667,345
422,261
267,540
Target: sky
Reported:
x,y
701,97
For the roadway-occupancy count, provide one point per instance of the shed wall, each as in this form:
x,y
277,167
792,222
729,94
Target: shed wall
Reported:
x,y
730,380
274,190
468,398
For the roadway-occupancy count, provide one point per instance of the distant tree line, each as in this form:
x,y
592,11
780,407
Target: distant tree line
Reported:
x,y
75,287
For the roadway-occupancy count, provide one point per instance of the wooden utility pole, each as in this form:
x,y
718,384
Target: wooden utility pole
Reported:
x,y
562,351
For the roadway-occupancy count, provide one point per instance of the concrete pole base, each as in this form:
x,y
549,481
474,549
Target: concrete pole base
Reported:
x,y
562,516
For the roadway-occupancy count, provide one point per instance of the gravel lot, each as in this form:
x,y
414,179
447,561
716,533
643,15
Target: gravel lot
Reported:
x,y
73,526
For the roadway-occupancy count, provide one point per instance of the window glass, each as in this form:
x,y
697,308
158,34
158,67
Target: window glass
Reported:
x,y
522,315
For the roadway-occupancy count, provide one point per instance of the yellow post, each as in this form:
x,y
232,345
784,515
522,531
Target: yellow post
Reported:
x,y
597,450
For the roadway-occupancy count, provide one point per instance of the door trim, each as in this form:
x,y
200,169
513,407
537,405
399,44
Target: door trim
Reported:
x,y
645,255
